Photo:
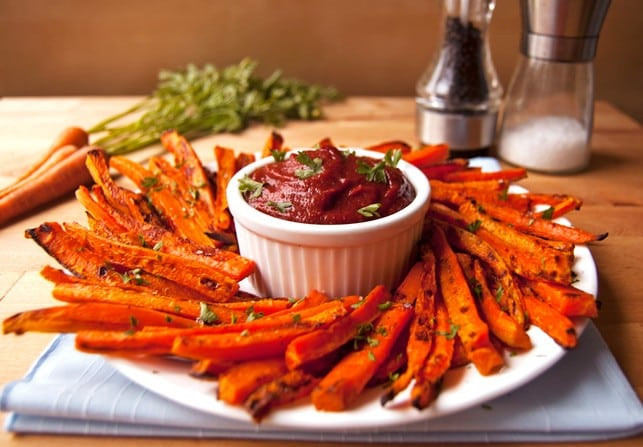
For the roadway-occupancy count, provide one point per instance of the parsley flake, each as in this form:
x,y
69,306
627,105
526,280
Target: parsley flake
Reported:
x,y
149,182
548,214
278,155
370,210
453,330
385,305
282,207
474,226
252,187
392,157
499,292
313,166
375,173
206,314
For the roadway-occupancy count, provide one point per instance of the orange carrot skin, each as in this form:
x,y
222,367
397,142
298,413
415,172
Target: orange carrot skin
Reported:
x,y
470,175
552,322
236,384
568,300
61,179
318,343
341,386
427,155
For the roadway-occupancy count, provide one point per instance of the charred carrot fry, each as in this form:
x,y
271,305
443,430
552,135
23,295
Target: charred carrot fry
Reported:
x,y
552,322
341,386
437,171
461,306
429,378
566,299
420,339
507,292
238,382
506,329
187,161
90,316
274,143
560,208
539,226
386,146
427,155
321,342
407,291
289,387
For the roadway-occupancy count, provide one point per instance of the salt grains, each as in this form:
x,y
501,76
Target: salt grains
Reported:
x,y
548,144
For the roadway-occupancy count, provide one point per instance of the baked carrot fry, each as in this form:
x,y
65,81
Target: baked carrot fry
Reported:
x,y
321,342
428,379
226,168
187,161
420,339
246,345
173,209
427,155
208,368
508,293
461,306
265,306
407,291
90,316
341,386
488,185
196,275
552,322
437,171
510,175
161,342
501,325
566,299
274,143
83,293
560,208
539,226
386,146
289,387
238,382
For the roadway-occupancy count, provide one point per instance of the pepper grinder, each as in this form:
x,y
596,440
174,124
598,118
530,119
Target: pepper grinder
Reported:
x,y
549,109
458,95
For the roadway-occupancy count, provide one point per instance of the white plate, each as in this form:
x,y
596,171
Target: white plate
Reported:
x,y
463,387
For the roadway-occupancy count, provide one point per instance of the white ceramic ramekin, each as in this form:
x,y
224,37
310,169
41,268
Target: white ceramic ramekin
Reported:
x,y
348,259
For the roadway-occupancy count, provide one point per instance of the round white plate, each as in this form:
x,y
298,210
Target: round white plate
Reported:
x,y
463,387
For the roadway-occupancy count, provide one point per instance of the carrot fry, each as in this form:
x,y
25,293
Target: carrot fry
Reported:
x,y
321,342
501,325
274,143
461,306
539,226
341,386
427,155
226,168
552,322
429,378
510,175
289,387
386,146
238,382
90,316
420,340
566,299
208,368
437,171
407,291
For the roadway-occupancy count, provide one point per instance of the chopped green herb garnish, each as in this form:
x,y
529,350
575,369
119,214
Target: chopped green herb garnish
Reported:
x,y
206,315
313,165
370,210
141,239
499,292
548,214
282,207
375,173
453,330
252,315
348,153
296,318
385,305
474,226
372,342
233,318
245,333
476,288
149,182
158,246
392,157
168,318
248,185
371,356
504,194
278,155
133,321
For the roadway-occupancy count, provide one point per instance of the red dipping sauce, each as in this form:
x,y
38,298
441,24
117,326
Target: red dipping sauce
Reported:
x,y
328,186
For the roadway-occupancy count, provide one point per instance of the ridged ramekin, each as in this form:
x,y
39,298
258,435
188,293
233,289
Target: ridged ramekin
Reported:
x,y
348,259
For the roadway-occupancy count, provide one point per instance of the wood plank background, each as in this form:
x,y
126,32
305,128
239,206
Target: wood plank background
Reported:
x,y
364,47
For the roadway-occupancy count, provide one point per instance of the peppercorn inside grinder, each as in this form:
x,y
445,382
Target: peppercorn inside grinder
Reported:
x,y
548,112
458,95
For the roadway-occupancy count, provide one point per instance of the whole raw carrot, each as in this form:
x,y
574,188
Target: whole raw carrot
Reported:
x,y
62,178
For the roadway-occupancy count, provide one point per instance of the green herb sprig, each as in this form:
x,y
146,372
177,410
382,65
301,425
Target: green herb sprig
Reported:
x,y
200,101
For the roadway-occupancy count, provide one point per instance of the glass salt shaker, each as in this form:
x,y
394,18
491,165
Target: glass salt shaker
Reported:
x,y
458,95
548,112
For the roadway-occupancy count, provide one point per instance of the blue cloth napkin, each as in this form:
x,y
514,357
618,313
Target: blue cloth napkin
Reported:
x,y
585,396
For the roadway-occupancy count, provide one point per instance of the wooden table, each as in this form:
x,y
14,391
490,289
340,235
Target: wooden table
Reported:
x,y
612,188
